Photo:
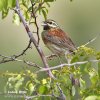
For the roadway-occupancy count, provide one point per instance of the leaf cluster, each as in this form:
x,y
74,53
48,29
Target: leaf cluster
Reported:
x,y
26,6
77,82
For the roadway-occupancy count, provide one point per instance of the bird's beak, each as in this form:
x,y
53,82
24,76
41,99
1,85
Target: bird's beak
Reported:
x,y
44,23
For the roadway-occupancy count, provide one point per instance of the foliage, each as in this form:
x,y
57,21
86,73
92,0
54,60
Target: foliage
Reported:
x,y
79,81
6,5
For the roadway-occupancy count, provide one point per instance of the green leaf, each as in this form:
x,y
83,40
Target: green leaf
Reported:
x,y
27,17
16,19
4,8
17,86
31,88
82,83
47,4
98,55
25,3
73,90
5,4
75,59
49,0
93,76
42,89
33,1
1,5
99,69
11,3
84,68
11,79
4,14
92,97
44,14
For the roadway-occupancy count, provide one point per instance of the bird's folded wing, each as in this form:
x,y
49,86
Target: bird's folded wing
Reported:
x,y
61,39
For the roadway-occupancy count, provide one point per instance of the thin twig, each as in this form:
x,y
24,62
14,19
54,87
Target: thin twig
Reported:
x,y
62,95
12,58
21,54
62,65
33,14
50,57
35,18
39,6
7,59
39,95
90,41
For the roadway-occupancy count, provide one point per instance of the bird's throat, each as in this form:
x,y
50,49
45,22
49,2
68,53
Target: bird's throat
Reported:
x,y
46,27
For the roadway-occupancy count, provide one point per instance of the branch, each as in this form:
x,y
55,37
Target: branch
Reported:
x,y
90,41
12,58
39,6
35,18
50,57
33,14
62,95
32,38
7,59
32,97
21,54
69,65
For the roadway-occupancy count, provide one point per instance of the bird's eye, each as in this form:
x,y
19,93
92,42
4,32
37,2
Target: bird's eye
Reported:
x,y
50,22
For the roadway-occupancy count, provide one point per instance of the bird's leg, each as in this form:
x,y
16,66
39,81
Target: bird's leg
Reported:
x,y
68,57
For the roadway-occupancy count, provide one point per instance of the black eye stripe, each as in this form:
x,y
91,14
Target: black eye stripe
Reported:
x,y
50,22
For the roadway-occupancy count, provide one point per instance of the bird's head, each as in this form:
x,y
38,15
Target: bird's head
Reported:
x,y
48,24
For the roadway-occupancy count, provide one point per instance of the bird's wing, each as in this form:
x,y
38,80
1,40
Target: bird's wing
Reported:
x,y
60,38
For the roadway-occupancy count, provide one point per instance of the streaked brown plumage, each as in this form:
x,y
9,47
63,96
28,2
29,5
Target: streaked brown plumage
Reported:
x,y
56,39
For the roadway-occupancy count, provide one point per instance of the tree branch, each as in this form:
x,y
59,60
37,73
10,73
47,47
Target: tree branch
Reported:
x,y
39,95
32,38
35,18
39,6
69,65
21,54
33,14
8,59
62,95
12,58
50,57
90,41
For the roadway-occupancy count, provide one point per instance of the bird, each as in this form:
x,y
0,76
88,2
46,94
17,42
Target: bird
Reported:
x,y
56,39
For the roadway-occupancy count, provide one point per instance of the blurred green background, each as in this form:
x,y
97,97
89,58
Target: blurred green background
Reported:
x,y
80,18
